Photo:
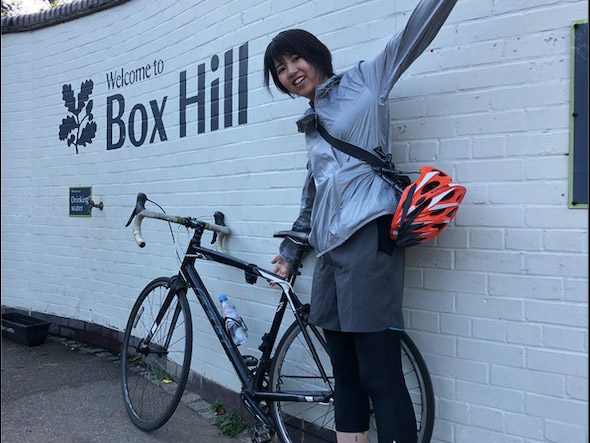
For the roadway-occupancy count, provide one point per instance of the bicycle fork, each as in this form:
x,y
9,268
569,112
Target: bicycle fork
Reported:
x,y
177,287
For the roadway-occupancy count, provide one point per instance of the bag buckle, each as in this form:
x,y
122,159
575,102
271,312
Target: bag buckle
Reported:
x,y
383,156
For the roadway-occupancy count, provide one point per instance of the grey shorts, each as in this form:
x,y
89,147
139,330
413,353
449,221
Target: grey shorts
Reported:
x,y
358,286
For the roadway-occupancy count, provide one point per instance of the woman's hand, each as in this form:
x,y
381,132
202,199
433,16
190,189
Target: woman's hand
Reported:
x,y
282,267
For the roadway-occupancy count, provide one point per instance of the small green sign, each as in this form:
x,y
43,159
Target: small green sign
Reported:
x,y
80,201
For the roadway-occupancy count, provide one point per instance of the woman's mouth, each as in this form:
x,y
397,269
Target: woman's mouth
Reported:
x,y
298,80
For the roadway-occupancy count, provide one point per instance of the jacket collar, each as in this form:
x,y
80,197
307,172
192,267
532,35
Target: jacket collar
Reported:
x,y
309,117
327,86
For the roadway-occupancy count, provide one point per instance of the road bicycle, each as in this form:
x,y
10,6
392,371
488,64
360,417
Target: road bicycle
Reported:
x,y
288,388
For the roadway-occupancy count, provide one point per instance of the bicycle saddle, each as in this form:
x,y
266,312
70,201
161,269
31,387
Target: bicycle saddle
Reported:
x,y
297,237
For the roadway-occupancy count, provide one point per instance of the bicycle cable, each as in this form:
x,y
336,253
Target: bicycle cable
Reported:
x,y
171,231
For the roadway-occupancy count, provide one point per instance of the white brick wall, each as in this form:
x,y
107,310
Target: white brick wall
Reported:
x,y
498,304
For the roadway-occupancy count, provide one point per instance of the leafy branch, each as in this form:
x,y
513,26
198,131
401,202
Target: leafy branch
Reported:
x,y
71,128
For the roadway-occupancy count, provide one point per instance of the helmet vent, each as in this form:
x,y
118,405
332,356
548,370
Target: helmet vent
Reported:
x,y
448,196
429,187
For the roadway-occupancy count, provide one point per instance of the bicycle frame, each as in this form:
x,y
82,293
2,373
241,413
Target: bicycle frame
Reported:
x,y
252,380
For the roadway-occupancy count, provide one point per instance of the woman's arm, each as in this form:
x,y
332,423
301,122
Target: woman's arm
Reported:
x,y
381,73
288,249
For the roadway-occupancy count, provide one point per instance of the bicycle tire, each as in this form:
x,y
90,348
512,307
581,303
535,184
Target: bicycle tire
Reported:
x,y
419,386
293,369
153,378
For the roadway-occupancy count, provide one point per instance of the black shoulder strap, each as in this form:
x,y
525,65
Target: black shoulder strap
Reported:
x,y
351,149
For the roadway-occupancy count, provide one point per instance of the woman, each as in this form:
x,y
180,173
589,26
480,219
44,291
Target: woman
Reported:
x,y
347,209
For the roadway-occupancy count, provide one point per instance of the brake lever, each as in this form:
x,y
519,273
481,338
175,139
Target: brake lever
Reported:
x,y
139,206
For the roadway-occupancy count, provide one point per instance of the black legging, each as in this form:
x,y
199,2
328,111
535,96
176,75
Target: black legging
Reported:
x,y
368,365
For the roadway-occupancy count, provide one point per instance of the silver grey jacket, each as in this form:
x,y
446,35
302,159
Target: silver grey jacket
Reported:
x,y
341,193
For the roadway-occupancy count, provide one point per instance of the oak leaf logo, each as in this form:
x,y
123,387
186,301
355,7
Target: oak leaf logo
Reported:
x,y
72,127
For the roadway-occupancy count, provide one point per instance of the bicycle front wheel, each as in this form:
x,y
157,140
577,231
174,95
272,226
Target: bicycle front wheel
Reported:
x,y
156,355
294,370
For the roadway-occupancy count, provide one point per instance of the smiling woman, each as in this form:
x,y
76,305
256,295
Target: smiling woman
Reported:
x,y
347,209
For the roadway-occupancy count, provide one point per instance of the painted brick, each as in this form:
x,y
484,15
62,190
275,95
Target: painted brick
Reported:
x,y
566,241
453,238
425,256
569,265
487,418
455,149
556,313
560,432
503,262
524,333
531,381
557,362
490,307
576,290
456,325
481,350
547,217
565,338
455,368
525,286
486,216
524,239
533,193
491,170
492,396
577,388
457,412
524,425
423,151
425,321
454,281
494,330
489,147
569,411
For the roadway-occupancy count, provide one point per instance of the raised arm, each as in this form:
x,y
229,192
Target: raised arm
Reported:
x,y
381,73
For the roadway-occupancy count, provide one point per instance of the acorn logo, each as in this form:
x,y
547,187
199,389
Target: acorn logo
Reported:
x,y
78,128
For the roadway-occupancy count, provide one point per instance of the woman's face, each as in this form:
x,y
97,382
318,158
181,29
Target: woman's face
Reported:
x,y
298,76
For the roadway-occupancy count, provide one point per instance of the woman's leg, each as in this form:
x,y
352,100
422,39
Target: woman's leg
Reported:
x,y
351,403
380,368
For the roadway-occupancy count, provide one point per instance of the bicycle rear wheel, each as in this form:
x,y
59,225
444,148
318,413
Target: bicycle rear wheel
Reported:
x,y
294,370
156,356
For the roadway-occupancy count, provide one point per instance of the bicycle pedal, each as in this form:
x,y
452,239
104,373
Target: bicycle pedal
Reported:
x,y
250,360
260,433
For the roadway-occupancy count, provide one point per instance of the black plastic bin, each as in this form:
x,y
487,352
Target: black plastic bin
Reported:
x,y
24,329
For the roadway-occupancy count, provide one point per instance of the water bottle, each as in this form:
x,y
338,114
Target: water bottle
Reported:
x,y
233,322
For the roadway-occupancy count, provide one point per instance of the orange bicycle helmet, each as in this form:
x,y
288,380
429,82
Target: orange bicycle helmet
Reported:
x,y
425,208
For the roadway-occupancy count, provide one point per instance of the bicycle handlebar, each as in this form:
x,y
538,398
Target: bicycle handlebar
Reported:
x,y
139,213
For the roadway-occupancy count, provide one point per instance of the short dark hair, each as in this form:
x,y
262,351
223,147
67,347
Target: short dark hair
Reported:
x,y
296,42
